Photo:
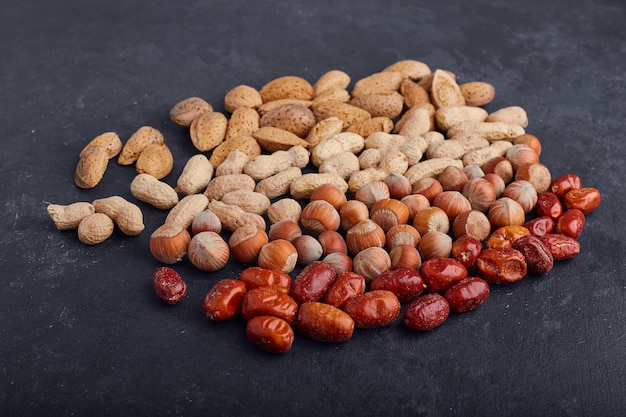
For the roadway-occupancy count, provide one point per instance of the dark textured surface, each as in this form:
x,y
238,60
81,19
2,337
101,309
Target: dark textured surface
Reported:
x,y
82,333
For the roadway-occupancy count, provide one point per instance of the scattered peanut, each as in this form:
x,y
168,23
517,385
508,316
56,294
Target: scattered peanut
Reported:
x,y
68,217
95,228
196,175
126,215
149,189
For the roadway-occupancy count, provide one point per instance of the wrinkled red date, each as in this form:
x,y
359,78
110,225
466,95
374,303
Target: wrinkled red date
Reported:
x,y
570,223
375,308
312,282
169,285
223,301
324,323
269,301
466,250
405,283
440,273
538,257
271,334
562,247
584,199
548,204
347,285
501,265
561,185
256,276
467,295
427,312
540,226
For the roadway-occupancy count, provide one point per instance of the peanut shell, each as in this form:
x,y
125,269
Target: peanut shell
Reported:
x,y
146,188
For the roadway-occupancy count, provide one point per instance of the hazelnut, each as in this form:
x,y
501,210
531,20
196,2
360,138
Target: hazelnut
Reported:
x,y
480,193
431,218
319,216
504,212
329,193
529,140
169,242
353,212
473,171
208,251
331,242
206,221
340,262
473,223
246,242
389,212
399,186
415,203
519,155
405,256
497,182
537,174
452,178
435,245
453,203
428,187
371,262
279,254
500,166
363,235
402,234
523,192
284,229
371,192
308,248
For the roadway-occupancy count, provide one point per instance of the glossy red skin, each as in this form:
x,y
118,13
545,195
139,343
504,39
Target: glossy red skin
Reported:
x,y
256,276
405,283
223,301
312,282
269,301
324,323
466,249
427,312
375,308
441,273
467,295
539,259
347,285
570,223
271,334
501,265
561,185
585,199
169,285
548,204
540,226
562,247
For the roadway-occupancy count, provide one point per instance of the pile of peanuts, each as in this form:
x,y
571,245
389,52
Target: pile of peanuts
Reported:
x,y
401,196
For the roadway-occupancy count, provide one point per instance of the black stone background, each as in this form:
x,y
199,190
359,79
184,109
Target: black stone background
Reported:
x,y
82,333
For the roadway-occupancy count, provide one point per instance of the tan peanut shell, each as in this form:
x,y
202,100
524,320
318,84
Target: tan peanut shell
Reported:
x,y
284,209
293,118
394,161
183,213
67,217
279,183
126,215
367,127
138,141
243,121
491,131
287,87
272,139
195,176
242,96
264,166
343,164
208,131
388,104
233,164
359,178
146,188
444,91
410,68
303,186
184,112
156,160
324,129
333,79
480,156
514,115
346,112
233,217
430,168
249,201
91,166
380,82
244,143
341,142
95,228
223,184
477,93
109,141
446,117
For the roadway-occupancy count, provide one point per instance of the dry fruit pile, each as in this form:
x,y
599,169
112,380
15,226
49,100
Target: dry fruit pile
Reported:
x,y
400,196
